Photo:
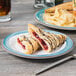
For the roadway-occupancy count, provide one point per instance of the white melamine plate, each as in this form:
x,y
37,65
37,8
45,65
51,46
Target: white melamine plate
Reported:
x,y
11,46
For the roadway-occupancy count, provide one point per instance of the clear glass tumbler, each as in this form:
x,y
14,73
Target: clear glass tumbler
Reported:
x,y
39,4
5,8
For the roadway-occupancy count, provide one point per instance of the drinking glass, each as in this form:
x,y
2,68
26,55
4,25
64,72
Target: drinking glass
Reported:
x,y
39,4
74,5
5,8
47,3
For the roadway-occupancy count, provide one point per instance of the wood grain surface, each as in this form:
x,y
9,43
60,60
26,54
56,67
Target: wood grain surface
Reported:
x,y
23,13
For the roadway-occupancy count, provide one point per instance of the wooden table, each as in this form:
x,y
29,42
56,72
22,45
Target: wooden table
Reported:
x,y
22,14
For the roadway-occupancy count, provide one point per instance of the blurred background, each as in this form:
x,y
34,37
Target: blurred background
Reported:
x,y
22,12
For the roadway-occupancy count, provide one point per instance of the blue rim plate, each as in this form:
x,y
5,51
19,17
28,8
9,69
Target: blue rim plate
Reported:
x,y
39,19
67,49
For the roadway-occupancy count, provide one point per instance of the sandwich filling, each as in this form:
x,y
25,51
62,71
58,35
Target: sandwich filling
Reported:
x,y
23,46
40,40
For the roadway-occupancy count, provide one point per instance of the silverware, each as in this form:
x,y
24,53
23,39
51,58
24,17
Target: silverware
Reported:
x,y
55,64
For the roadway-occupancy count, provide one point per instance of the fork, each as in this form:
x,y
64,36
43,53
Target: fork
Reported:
x,y
55,64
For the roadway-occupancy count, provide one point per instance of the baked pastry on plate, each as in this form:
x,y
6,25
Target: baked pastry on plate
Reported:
x,y
30,45
67,6
61,15
48,41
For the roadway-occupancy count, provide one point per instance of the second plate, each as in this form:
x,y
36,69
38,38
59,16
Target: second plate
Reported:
x,y
39,18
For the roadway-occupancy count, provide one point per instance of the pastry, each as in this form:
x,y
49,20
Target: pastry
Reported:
x,y
48,41
29,45
60,17
68,6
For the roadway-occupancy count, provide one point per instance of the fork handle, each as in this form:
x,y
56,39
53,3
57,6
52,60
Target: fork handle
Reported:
x,y
53,65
